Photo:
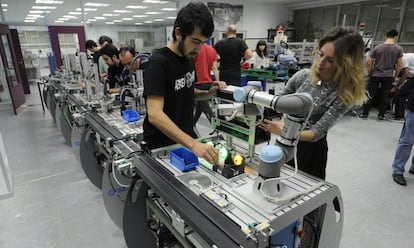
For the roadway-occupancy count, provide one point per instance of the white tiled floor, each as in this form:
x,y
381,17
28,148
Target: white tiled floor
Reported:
x,y
54,204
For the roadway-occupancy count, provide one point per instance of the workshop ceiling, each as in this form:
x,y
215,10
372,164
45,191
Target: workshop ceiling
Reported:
x,y
98,12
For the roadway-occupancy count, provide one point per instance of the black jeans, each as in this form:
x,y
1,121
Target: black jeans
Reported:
x,y
401,98
312,157
202,106
383,93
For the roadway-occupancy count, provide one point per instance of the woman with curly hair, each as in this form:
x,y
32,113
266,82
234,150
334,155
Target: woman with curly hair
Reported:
x,y
336,83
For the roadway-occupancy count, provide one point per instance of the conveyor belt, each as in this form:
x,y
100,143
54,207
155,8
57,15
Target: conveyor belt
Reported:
x,y
100,126
204,218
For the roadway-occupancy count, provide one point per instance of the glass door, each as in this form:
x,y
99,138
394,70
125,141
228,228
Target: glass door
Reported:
x,y
5,100
12,80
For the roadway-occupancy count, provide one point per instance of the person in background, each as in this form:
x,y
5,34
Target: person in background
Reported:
x,y
102,67
402,87
336,83
406,141
204,62
126,55
384,65
259,58
232,52
92,47
104,40
110,55
169,84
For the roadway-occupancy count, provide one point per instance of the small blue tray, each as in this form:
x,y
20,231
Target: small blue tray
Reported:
x,y
183,159
130,115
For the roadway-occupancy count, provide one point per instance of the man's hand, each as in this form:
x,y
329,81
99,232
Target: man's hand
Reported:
x,y
205,151
217,85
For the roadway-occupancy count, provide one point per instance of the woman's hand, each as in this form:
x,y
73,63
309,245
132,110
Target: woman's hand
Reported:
x,y
274,127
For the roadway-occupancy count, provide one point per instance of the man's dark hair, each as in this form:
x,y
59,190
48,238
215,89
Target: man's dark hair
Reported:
x,y
129,49
104,38
109,50
90,44
194,15
392,33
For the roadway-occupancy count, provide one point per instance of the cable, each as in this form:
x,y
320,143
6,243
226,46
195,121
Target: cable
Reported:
x,y
115,178
135,152
113,187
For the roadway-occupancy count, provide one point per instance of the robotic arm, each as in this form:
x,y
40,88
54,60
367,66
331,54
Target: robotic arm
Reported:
x,y
297,108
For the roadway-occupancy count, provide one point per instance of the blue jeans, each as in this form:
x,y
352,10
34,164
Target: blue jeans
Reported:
x,y
404,146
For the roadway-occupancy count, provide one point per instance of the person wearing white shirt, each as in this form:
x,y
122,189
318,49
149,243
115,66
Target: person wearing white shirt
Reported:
x,y
259,58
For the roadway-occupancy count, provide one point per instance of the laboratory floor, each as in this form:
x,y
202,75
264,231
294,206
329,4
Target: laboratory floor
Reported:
x,y
55,205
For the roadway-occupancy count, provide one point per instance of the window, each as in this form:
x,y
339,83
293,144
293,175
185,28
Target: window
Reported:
x,y
348,15
407,29
389,17
369,15
126,37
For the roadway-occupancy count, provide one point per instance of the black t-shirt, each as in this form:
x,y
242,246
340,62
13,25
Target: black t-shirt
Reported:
x,y
172,77
115,75
231,51
95,57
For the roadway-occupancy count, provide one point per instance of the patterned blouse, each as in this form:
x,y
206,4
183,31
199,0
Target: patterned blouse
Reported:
x,y
327,107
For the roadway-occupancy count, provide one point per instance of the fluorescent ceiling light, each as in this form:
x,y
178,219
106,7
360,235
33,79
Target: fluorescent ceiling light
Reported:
x,y
139,16
86,9
169,9
136,7
155,1
39,11
49,2
43,7
96,4
122,11
153,13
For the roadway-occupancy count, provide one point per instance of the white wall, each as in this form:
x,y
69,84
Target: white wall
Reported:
x,y
257,18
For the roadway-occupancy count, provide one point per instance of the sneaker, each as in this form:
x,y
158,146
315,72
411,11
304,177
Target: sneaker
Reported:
x,y
381,118
363,116
399,179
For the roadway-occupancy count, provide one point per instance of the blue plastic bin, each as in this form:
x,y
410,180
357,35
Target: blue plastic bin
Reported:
x,y
130,115
183,159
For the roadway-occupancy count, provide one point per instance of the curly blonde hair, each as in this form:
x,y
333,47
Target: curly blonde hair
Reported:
x,y
348,63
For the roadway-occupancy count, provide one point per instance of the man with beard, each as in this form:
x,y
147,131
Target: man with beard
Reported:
x,y
110,55
169,84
